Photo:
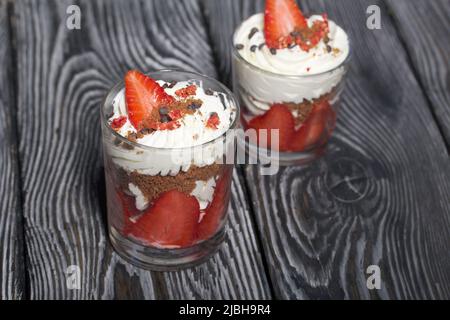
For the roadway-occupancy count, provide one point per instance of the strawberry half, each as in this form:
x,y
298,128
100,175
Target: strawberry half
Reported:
x,y
142,95
281,18
278,117
216,210
171,221
317,126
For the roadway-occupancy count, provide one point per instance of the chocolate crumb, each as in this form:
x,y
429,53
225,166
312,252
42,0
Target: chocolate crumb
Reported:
x,y
329,49
194,106
273,51
132,136
239,46
252,33
336,51
209,92
145,131
253,48
165,119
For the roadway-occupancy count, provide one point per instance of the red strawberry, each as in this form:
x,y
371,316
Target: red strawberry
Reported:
x,y
142,95
278,117
213,121
281,18
128,204
118,123
217,208
186,92
171,221
322,118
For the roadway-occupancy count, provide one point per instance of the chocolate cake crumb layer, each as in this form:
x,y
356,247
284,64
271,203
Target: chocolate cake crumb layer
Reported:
x,y
153,186
304,109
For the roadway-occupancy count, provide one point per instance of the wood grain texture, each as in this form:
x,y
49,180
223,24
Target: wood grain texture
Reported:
x,y
378,197
63,75
12,274
425,29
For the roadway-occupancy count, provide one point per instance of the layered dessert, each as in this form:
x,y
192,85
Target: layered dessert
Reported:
x,y
288,74
168,186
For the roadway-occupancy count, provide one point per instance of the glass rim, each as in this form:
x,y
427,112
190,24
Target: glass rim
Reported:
x,y
195,76
236,53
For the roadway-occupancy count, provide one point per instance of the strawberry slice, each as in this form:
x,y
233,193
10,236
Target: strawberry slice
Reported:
x,y
314,129
278,117
128,204
142,95
216,210
281,18
171,221
186,92
213,121
118,123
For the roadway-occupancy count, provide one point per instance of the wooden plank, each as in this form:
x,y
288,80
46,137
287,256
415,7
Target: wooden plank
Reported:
x,y
425,29
63,75
12,274
378,197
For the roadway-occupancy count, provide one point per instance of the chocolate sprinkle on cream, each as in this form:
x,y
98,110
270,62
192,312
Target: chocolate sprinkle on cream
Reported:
x,y
253,48
193,106
222,100
273,51
239,46
209,92
261,46
252,33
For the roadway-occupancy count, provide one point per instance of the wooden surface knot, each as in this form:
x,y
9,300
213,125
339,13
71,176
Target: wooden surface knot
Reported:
x,y
347,180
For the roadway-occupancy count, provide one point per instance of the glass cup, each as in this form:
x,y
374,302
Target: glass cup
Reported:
x,y
142,179
314,109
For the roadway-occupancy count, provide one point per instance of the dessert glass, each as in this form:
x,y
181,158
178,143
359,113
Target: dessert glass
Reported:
x,y
258,90
196,163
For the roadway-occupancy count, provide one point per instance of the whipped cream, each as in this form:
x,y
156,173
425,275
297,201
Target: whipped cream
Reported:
x,y
192,131
292,74
140,199
173,150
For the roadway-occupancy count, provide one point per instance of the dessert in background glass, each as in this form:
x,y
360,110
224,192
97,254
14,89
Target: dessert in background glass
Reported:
x,y
168,184
288,74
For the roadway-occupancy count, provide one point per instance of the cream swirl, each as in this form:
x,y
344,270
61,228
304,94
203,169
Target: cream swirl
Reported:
x,y
192,131
292,61
291,74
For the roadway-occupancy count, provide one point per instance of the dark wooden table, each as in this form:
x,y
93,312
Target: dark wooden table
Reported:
x,y
380,196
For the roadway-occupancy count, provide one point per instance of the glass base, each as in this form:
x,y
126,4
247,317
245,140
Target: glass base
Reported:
x,y
159,259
